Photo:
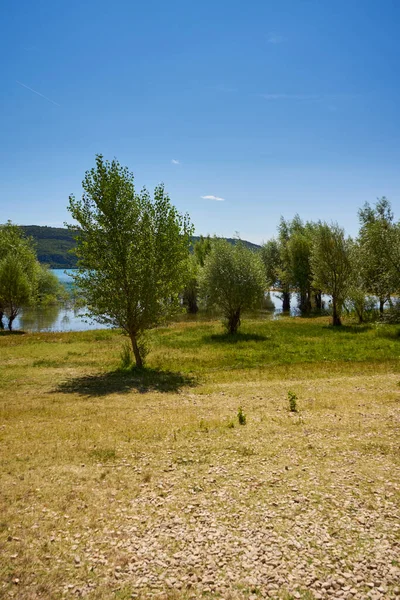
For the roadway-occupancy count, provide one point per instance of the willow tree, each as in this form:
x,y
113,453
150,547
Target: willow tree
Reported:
x,y
132,252
378,240
19,270
232,279
331,265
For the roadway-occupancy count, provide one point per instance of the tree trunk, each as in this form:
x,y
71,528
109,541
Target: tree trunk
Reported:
x,y
10,322
381,305
305,303
1,320
336,320
285,301
192,307
136,351
234,321
318,300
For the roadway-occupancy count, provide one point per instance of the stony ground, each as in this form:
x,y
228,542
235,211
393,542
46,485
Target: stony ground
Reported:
x,y
180,501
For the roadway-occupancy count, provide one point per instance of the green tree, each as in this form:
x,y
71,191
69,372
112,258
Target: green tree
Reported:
x,y
132,252
233,279
331,265
191,289
359,301
49,289
18,272
201,249
378,240
299,246
15,287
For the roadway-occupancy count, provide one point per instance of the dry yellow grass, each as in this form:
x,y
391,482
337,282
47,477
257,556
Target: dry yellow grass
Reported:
x,y
116,485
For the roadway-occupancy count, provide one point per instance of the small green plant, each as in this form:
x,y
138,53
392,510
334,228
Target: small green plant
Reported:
x,y
241,416
126,356
231,424
292,401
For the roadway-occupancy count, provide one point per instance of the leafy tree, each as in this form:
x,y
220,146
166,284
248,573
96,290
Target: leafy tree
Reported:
x,y
49,289
15,287
271,259
132,252
378,239
299,246
358,300
275,273
191,290
284,266
233,279
18,272
331,265
201,249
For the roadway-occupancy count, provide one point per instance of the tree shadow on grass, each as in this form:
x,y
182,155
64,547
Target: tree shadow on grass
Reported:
x,y
4,332
234,338
120,382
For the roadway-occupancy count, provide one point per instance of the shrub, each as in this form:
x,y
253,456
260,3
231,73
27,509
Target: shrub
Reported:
x,y
292,401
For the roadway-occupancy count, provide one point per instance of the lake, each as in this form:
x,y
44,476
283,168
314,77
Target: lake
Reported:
x,y
56,318
67,318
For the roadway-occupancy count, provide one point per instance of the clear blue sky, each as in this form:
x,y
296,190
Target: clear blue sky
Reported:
x,y
275,106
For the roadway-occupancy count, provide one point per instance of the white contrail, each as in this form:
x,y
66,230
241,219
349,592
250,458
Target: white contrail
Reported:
x,y
38,93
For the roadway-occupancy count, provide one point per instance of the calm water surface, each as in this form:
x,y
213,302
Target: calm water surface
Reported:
x,y
56,318
67,318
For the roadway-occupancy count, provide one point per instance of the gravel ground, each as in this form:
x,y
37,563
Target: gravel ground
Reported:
x,y
288,506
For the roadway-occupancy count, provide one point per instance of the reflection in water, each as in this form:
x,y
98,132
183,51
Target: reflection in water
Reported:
x,y
70,318
39,319
55,318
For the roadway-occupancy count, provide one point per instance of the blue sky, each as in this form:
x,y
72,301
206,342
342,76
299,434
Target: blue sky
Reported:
x,y
275,107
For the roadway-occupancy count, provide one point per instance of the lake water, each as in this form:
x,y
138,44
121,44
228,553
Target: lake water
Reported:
x,y
56,318
67,318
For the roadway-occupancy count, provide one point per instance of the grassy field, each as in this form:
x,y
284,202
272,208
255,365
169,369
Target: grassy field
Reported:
x,y
118,484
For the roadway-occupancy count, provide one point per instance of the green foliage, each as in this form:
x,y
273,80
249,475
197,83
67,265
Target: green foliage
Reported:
x,y
233,280
132,251
54,245
18,272
191,290
331,265
49,289
242,418
276,264
358,301
299,247
15,287
201,249
379,245
392,315
292,401
271,259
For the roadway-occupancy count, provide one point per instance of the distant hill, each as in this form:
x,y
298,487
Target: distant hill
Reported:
x,y
54,245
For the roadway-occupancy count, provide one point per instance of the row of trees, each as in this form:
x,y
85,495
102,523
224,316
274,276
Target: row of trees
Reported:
x,y
134,260
315,258
135,265
23,280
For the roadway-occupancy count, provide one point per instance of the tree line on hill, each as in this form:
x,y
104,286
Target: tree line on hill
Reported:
x,y
55,245
135,266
